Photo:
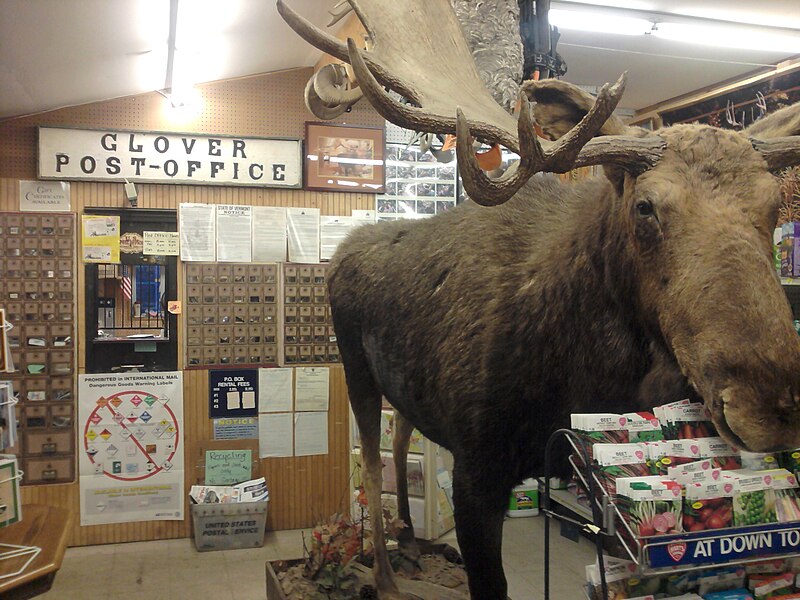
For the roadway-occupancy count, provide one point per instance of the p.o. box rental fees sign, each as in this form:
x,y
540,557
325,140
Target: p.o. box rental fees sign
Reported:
x,y
88,154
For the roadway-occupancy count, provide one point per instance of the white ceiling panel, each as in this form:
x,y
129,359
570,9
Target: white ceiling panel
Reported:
x,y
56,53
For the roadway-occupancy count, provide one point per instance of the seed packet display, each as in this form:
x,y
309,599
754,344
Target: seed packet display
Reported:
x,y
619,460
643,427
650,508
708,505
603,428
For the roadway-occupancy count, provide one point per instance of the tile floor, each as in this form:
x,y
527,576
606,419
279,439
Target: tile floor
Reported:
x,y
173,570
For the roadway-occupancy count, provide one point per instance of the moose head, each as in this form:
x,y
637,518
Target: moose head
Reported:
x,y
698,240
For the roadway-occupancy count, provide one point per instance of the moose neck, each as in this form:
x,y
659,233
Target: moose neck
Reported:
x,y
580,308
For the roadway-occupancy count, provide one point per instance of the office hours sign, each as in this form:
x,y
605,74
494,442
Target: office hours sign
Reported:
x,y
160,157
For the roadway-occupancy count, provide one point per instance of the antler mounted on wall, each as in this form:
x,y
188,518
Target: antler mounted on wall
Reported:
x,y
437,74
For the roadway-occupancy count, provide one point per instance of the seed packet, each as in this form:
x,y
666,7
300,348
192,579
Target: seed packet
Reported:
x,y
619,460
720,580
621,580
740,594
708,505
650,508
643,427
770,586
686,478
759,461
753,502
603,428
790,460
687,421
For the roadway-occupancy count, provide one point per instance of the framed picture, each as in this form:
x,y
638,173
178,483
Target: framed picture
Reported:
x,y
340,158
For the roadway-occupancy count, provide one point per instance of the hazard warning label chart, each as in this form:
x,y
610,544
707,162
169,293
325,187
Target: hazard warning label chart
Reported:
x,y
131,447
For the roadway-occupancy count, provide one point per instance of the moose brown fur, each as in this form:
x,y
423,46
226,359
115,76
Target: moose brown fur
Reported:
x,y
486,327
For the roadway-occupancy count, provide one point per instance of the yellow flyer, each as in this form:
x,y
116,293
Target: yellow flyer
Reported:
x,y
100,239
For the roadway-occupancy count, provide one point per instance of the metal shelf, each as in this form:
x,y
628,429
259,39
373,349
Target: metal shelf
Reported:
x,y
569,501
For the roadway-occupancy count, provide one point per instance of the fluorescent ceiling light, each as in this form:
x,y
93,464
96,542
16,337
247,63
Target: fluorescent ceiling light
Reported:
x,y
598,22
720,34
729,36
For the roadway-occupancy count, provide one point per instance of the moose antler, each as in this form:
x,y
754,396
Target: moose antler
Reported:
x,y
779,152
438,75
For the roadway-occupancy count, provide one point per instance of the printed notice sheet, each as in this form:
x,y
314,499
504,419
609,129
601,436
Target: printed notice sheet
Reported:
x,y
161,243
269,234
130,447
311,388
332,231
274,390
310,433
303,229
275,435
362,217
198,229
100,239
233,233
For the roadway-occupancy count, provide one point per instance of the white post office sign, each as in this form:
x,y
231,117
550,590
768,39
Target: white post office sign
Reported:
x,y
97,155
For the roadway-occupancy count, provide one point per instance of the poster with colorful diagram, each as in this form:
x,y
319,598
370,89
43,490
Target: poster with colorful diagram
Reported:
x,y
130,447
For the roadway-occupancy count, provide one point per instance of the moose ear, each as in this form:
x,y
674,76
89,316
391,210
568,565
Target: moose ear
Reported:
x,y
782,123
558,106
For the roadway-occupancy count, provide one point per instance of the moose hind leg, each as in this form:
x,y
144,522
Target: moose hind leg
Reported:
x,y
406,539
369,427
479,505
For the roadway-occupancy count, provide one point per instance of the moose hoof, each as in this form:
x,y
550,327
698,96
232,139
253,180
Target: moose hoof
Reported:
x,y
408,558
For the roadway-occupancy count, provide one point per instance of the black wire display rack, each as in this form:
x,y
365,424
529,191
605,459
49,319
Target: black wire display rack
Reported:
x,y
653,555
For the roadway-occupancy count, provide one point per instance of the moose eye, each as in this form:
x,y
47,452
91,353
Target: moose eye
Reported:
x,y
644,208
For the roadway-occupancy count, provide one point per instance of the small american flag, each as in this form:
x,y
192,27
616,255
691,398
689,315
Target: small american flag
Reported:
x,y
125,282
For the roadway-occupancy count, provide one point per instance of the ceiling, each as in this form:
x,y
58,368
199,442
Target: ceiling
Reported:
x,y
56,53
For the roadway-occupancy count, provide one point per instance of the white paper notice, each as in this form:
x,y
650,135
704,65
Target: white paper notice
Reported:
x,y
310,433
233,233
303,228
269,234
161,243
275,435
198,229
311,385
332,231
233,400
274,390
248,399
362,217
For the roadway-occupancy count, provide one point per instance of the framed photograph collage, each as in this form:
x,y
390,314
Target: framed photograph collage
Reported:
x,y
417,186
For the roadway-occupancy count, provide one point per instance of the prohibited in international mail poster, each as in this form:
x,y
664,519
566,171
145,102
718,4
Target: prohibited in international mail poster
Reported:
x,y
131,447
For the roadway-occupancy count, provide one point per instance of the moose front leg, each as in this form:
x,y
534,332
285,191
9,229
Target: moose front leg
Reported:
x,y
406,539
480,504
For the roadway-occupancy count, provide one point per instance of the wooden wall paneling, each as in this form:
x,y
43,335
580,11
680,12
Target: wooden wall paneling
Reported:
x,y
302,489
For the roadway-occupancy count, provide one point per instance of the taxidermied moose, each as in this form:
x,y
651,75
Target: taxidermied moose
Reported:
x,y
486,327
